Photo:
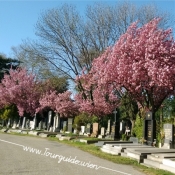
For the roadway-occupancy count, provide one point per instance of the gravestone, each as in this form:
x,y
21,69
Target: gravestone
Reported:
x,y
122,127
57,123
27,124
51,129
9,123
18,124
75,131
24,122
34,122
102,131
88,128
40,125
49,120
108,128
149,128
31,125
95,130
169,132
82,130
114,131
64,125
14,125
70,121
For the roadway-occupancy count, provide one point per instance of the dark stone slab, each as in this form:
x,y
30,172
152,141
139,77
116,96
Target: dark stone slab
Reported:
x,y
149,131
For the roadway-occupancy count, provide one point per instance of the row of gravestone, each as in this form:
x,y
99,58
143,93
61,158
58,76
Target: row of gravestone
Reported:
x,y
92,129
53,124
24,123
111,132
149,132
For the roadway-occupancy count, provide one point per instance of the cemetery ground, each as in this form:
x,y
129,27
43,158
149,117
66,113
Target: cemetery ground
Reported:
x,y
21,162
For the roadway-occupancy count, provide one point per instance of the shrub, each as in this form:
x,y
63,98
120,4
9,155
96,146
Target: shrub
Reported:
x,y
83,119
138,128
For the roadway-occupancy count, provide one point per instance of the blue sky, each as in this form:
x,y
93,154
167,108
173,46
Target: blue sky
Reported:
x,y
18,18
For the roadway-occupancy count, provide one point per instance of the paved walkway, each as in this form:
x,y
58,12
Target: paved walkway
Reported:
x,y
21,155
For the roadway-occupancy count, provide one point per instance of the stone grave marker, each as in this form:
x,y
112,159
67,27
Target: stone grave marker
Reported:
x,y
34,122
51,129
149,129
169,136
75,131
49,120
40,125
95,130
70,121
57,123
31,125
113,131
9,123
27,124
102,133
24,122
14,125
82,130
108,128
122,127
88,128
65,125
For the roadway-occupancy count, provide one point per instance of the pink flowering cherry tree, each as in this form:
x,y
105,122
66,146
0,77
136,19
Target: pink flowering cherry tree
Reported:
x,y
142,62
95,100
60,103
20,88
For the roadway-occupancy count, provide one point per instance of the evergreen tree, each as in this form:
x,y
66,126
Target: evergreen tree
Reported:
x,y
6,64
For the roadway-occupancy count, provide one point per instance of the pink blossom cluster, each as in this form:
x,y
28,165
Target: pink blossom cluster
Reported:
x,y
60,103
142,62
20,88
27,93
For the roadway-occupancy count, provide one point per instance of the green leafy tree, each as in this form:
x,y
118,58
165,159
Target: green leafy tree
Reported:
x,y
128,108
59,84
83,119
9,111
138,127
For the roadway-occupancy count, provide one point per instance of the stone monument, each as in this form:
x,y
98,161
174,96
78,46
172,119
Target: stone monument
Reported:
x,y
149,128
70,121
169,140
